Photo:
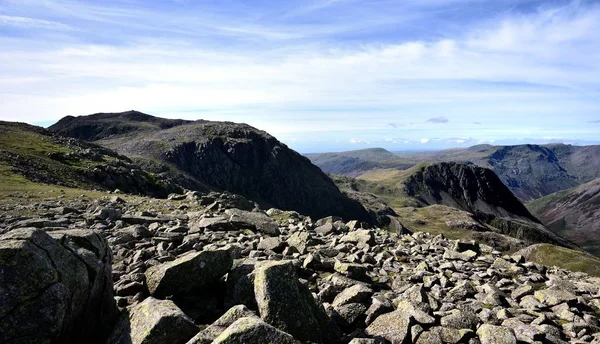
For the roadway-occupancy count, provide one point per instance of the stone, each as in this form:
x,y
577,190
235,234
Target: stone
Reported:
x,y
55,288
391,326
429,337
253,220
351,270
252,330
460,319
325,229
349,313
212,223
360,236
154,322
273,244
407,308
552,297
355,294
210,333
521,291
286,304
173,277
490,334
300,241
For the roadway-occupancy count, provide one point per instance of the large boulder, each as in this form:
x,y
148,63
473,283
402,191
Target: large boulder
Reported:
x,y
288,305
210,333
252,330
193,270
393,327
154,322
252,220
55,289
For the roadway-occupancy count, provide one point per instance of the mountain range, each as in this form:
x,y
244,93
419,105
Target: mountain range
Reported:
x,y
529,171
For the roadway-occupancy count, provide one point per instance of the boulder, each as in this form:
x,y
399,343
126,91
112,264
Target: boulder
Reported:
x,y
393,327
360,236
252,330
286,304
210,333
490,334
154,322
259,221
188,272
55,289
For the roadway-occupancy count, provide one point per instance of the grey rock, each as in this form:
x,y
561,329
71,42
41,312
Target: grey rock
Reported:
x,y
259,221
490,334
55,289
173,277
277,292
393,326
154,322
252,330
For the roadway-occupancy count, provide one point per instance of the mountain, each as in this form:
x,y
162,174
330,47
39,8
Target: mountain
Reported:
x,y
529,171
205,155
30,153
573,214
354,163
465,187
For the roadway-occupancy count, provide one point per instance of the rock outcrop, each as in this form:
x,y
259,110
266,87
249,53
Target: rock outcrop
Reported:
x,y
55,287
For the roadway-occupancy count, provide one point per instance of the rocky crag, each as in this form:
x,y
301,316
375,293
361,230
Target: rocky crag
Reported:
x,y
204,155
213,268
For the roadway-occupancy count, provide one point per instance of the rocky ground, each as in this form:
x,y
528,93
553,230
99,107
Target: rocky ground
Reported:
x,y
215,269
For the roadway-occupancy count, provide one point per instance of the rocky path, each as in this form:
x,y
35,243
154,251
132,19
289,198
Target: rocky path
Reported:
x,y
214,269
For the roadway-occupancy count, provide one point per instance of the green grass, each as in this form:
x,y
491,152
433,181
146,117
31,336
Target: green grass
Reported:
x,y
565,258
25,142
432,219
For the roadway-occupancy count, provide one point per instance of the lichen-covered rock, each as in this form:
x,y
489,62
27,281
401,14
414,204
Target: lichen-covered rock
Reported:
x,y
55,289
259,221
552,297
393,326
210,333
252,330
191,271
154,322
490,334
360,236
284,303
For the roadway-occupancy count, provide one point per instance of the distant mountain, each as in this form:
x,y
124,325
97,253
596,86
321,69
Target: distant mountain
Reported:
x,y
574,214
468,188
218,156
35,154
354,163
529,171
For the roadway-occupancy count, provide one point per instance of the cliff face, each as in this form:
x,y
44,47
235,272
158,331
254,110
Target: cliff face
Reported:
x,y
225,156
467,187
479,191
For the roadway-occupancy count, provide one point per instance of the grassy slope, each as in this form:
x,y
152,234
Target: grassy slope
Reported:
x,y
565,258
573,213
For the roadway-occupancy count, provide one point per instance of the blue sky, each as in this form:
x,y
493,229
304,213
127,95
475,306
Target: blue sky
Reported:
x,y
321,75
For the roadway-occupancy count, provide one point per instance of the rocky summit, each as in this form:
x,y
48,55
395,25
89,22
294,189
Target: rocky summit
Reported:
x,y
125,269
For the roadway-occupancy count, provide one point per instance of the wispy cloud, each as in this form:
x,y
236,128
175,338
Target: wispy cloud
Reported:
x,y
438,120
354,68
32,23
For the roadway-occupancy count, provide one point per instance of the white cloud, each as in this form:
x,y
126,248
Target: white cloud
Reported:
x,y
32,23
425,140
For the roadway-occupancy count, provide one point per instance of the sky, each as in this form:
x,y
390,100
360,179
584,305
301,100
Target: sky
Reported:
x,y
320,75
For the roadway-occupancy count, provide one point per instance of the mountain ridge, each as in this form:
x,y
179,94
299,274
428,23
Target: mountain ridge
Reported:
x,y
219,156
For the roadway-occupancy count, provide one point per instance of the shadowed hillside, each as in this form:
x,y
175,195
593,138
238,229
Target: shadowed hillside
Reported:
x,y
222,156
